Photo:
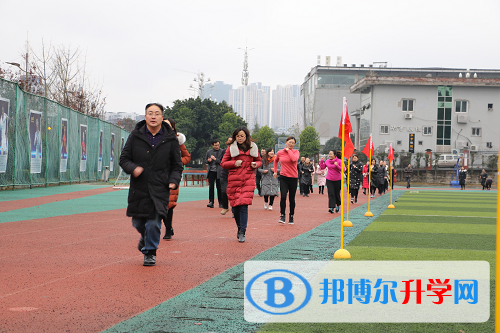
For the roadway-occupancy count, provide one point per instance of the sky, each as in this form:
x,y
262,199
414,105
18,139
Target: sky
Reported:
x,y
142,52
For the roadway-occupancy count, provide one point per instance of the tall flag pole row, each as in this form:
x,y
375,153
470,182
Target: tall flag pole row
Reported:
x,y
344,130
391,158
368,151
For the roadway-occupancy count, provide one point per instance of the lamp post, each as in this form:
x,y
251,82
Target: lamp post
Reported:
x,y
199,86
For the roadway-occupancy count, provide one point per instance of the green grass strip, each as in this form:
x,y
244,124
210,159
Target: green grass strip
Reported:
x,y
437,219
436,228
456,211
425,240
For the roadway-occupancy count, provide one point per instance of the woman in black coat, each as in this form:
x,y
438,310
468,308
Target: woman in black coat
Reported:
x,y
355,178
381,177
483,177
374,179
462,175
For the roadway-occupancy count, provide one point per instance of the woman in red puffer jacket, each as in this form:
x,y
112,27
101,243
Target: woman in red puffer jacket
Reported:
x,y
241,158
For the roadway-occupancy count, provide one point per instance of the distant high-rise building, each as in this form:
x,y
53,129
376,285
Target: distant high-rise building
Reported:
x,y
258,103
286,107
219,92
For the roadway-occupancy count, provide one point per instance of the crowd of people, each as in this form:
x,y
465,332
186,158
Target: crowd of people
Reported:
x,y
154,155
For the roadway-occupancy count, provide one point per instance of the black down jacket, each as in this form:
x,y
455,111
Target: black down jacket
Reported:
x,y
162,166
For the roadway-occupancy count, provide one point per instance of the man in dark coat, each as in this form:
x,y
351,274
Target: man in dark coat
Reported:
x,y
213,158
152,156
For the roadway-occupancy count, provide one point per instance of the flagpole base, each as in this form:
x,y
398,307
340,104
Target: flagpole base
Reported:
x,y
368,214
341,254
391,206
347,223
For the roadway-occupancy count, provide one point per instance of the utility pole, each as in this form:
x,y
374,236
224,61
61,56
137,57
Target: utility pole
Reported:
x,y
244,81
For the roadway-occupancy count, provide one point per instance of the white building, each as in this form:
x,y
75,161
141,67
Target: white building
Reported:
x,y
444,108
287,107
257,103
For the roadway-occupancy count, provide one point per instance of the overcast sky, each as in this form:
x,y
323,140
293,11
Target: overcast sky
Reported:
x,y
149,51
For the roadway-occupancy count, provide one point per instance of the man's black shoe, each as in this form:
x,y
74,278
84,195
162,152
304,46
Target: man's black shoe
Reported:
x,y
141,244
167,236
149,260
290,219
210,205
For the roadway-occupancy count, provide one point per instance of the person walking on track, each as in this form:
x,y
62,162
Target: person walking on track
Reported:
x,y
269,183
334,165
288,158
152,155
174,194
241,158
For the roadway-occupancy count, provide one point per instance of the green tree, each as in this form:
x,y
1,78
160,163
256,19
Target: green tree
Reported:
x,y
334,143
309,142
230,122
264,138
256,129
201,121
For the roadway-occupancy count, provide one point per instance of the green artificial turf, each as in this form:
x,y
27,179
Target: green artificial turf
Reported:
x,y
426,225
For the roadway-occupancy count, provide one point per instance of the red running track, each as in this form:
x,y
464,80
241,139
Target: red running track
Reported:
x,y
83,273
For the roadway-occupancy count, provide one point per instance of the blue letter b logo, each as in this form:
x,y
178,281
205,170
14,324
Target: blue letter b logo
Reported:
x,y
285,291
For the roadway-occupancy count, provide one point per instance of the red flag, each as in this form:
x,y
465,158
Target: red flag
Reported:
x,y
391,154
348,148
346,121
369,149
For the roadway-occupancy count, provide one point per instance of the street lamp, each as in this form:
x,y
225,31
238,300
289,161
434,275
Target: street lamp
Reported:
x,y
199,86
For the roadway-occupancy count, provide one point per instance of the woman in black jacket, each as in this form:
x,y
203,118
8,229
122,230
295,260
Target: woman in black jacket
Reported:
x,y
483,177
381,177
374,179
462,175
355,178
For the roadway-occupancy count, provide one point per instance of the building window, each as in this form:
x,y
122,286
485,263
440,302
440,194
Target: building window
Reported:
x,y
427,130
490,106
460,106
476,131
489,145
444,110
420,143
384,129
399,142
408,105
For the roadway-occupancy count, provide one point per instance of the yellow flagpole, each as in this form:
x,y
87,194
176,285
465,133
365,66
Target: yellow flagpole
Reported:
x,y
342,253
348,223
368,213
390,184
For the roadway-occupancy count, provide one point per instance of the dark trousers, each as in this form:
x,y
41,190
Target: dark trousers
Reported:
x,y
300,184
168,222
241,217
258,177
354,193
333,193
321,189
212,180
408,182
224,201
269,198
305,189
373,189
287,186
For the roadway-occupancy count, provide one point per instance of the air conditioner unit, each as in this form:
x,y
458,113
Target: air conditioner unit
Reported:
x,y
462,119
408,115
474,148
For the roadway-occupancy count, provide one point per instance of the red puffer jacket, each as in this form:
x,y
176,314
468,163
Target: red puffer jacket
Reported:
x,y
241,180
186,157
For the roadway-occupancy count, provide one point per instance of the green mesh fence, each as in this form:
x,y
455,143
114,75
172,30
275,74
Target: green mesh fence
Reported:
x,y
43,142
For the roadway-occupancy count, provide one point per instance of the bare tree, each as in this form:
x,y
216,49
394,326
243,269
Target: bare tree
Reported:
x,y
60,74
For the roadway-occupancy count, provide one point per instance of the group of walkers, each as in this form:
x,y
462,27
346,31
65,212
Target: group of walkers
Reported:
x,y
155,154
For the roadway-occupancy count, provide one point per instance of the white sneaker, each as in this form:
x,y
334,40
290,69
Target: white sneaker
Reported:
x,y
265,205
270,208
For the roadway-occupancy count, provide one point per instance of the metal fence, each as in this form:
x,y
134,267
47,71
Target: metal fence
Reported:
x,y
43,142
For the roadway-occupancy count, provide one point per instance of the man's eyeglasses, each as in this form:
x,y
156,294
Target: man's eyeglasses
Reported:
x,y
157,113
